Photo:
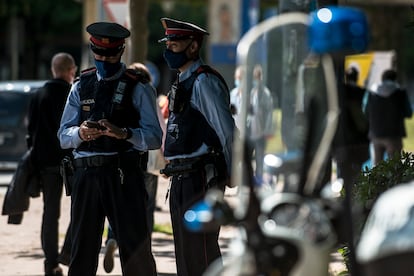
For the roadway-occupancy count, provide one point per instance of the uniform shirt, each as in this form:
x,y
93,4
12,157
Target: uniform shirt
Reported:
x,y
211,98
147,137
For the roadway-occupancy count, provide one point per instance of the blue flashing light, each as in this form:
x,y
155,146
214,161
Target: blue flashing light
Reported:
x,y
199,214
338,29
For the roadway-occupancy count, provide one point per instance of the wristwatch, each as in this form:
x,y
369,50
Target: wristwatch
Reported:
x,y
128,133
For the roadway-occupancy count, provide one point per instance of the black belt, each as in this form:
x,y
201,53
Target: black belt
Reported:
x,y
188,160
129,159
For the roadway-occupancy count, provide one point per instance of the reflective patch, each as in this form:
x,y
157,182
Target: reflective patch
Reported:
x,y
88,101
86,108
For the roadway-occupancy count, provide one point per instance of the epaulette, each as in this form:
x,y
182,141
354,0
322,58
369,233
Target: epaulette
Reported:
x,y
208,69
136,75
88,71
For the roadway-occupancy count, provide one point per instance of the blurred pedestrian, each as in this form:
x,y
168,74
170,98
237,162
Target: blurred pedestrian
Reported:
x,y
260,119
352,148
110,120
236,94
45,112
387,106
199,136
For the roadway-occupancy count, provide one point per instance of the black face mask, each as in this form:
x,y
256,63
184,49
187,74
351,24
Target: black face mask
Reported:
x,y
176,60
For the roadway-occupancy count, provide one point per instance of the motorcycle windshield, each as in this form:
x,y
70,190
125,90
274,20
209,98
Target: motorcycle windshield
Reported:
x,y
285,108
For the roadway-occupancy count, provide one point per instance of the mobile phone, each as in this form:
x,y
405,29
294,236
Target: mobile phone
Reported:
x,y
93,124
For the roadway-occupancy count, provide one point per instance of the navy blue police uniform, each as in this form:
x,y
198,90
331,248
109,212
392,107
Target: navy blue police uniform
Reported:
x,y
108,178
197,144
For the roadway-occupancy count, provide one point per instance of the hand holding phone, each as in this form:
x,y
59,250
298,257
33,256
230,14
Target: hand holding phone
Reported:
x,y
93,124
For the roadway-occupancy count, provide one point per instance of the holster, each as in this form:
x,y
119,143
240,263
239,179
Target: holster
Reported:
x,y
67,171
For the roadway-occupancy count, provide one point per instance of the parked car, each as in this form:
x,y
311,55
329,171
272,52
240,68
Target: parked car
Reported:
x,y
14,105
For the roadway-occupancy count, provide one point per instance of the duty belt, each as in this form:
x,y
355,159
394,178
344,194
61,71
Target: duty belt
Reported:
x,y
128,159
184,165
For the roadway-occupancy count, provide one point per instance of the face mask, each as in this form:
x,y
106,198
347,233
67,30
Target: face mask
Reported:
x,y
236,83
107,69
176,60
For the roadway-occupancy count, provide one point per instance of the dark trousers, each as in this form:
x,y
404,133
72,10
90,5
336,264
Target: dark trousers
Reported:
x,y
52,186
194,252
257,147
97,193
151,185
390,146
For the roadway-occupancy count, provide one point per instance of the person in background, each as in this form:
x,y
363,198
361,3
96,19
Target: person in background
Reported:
x,y
45,112
110,120
353,148
387,106
260,116
199,135
236,93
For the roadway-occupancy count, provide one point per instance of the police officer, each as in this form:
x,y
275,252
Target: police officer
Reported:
x,y
198,141
110,120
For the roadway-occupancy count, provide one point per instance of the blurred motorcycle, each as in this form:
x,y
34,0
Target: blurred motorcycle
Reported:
x,y
288,217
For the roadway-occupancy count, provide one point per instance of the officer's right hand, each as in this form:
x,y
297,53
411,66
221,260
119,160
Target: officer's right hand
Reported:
x,y
87,134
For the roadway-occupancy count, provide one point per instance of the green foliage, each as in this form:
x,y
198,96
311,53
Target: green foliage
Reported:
x,y
163,228
372,182
344,251
408,141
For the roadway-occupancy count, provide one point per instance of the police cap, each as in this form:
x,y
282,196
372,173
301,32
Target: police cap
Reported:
x,y
107,38
179,30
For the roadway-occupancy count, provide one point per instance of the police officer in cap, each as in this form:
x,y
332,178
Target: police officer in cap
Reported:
x,y
110,120
198,141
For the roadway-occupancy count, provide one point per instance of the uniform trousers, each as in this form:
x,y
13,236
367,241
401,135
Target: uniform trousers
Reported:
x,y
100,192
52,186
194,252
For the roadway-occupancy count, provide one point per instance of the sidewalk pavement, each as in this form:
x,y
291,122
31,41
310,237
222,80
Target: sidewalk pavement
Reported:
x,y
21,252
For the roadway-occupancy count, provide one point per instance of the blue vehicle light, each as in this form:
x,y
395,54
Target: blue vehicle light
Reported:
x,y
197,216
338,29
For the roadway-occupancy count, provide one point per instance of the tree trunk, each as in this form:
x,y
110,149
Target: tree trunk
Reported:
x,y
137,46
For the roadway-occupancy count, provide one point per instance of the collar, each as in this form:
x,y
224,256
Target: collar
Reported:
x,y
114,77
193,67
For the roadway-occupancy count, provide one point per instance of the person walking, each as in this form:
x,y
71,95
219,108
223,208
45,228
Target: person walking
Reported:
x,y
45,113
387,106
110,120
198,141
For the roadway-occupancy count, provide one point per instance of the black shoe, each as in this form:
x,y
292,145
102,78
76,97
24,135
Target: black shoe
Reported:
x,y
64,259
110,248
57,271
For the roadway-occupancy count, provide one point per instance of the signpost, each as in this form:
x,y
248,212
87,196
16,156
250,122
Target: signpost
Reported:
x,y
117,11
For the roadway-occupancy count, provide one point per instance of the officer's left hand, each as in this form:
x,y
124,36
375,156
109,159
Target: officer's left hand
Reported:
x,y
112,130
